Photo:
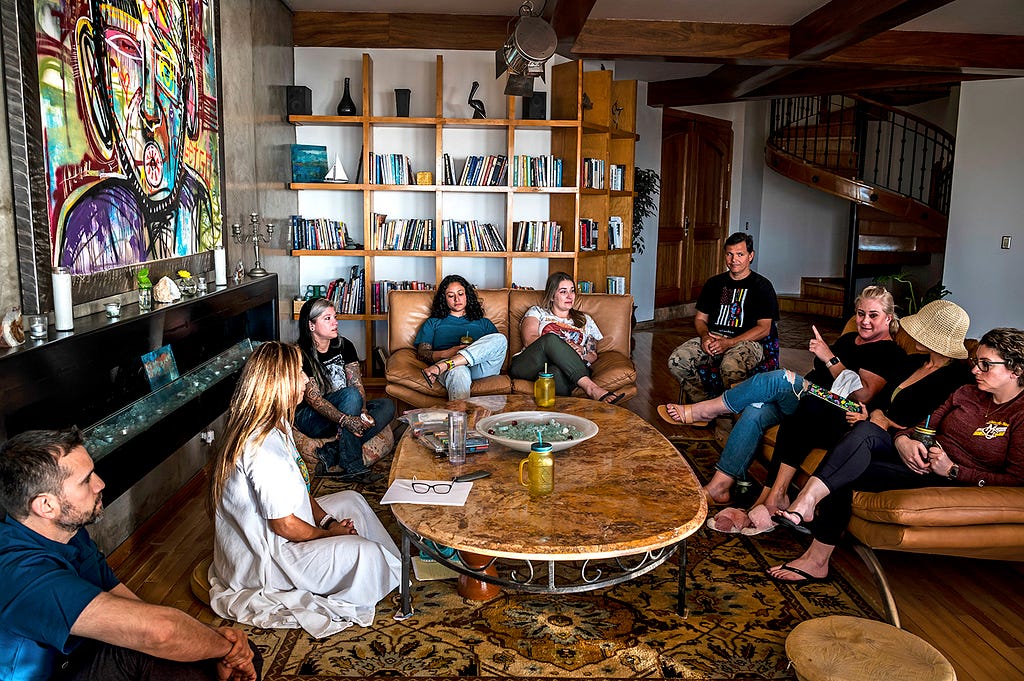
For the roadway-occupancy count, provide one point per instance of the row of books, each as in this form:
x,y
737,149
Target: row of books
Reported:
x,y
615,284
347,295
479,171
415,234
389,169
459,235
617,177
593,173
537,171
380,289
319,234
584,286
615,236
537,236
588,234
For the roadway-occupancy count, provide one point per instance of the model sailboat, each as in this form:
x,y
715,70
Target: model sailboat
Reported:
x,y
337,172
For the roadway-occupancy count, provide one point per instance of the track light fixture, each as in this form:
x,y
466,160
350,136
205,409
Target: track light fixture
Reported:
x,y
529,45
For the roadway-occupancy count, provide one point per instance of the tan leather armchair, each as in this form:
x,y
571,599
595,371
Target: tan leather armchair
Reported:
x,y
407,310
970,522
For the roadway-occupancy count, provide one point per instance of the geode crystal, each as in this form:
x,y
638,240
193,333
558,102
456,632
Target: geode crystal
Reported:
x,y
166,291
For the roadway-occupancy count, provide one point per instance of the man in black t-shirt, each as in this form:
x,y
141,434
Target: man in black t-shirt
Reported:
x,y
736,310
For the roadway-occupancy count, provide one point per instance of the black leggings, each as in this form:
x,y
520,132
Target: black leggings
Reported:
x,y
567,366
864,460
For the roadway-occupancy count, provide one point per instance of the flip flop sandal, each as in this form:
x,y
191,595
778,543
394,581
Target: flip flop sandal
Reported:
x,y
615,398
666,416
807,577
781,519
431,379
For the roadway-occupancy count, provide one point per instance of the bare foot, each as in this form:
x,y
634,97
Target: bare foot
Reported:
x,y
775,503
716,497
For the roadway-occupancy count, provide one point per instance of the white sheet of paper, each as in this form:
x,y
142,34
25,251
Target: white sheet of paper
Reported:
x,y
400,492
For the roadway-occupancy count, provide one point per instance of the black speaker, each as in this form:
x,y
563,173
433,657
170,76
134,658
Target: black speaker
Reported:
x,y
535,107
299,101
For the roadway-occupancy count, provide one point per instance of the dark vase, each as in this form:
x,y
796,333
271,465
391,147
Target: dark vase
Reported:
x,y
402,101
346,107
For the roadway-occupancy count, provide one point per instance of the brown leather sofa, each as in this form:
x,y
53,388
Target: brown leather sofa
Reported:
x,y
970,522
407,310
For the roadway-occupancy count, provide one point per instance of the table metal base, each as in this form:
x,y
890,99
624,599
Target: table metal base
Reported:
x,y
547,576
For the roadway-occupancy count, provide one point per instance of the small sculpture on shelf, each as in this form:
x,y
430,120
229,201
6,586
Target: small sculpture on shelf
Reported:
x,y
617,109
239,272
478,106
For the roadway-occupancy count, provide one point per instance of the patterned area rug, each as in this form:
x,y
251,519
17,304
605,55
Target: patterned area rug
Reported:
x,y
736,625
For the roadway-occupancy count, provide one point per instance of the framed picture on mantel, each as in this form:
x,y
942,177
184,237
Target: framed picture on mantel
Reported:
x,y
118,158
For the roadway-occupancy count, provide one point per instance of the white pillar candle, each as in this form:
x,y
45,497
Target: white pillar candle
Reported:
x,y
63,318
220,266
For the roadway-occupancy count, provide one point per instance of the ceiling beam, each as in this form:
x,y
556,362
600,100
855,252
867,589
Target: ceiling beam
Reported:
x,y
806,81
769,45
568,20
415,31
841,23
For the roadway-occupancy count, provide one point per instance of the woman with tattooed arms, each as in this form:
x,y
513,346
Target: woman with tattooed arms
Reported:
x,y
335,400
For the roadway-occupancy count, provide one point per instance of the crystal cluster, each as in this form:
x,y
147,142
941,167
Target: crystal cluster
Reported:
x,y
527,431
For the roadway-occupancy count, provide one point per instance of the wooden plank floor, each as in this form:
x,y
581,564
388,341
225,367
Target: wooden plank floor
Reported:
x,y
969,609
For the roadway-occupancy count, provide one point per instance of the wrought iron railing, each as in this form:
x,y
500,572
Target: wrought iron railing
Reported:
x,y
864,140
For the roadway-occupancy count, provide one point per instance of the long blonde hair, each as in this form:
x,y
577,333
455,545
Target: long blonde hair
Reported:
x,y
264,398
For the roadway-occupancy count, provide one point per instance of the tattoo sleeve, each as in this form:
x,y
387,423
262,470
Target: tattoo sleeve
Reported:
x,y
425,353
315,399
355,379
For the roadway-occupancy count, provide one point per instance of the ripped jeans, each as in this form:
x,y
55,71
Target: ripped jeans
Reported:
x,y
762,401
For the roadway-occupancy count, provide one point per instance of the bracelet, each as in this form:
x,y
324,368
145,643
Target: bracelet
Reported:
x,y
326,521
451,363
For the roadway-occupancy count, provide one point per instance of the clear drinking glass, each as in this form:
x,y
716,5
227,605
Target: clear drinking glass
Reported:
x,y
457,438
145,299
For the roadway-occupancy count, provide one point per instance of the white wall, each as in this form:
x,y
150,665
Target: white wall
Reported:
x,y
803,233
988,203
648,155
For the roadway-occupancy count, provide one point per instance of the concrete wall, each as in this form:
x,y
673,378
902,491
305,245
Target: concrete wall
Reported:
x,y
10,295
987,204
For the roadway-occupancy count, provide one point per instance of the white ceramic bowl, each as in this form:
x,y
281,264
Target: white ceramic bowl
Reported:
x,y
586,426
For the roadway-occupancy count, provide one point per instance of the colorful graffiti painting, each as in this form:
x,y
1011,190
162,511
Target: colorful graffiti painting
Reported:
x,y
129,106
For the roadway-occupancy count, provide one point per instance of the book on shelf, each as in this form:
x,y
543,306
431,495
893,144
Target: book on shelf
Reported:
x,y
382,287
537,171
318,234
615,284
593,173
588,234
347,295
389,169
483,171
470,236
585,286
617,177
537,236
415,234
615,238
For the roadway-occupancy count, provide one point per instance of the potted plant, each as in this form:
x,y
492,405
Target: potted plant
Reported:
x,y
646,186
145,290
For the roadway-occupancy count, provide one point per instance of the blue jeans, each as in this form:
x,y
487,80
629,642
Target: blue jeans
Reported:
x,y
761,401
485,356
347,450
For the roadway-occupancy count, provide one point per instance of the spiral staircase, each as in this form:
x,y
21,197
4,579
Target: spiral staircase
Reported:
x,y
896,170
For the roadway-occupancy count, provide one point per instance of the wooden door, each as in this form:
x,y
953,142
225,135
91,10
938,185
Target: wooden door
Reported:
x,y
696,154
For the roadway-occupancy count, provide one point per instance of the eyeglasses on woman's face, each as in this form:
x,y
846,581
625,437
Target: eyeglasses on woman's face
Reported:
x,y
983,365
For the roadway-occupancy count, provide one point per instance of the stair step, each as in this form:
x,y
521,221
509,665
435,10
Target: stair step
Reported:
x,y
803,305
827,289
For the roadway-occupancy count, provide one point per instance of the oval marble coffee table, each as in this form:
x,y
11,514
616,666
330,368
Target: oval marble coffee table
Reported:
x,y
623,503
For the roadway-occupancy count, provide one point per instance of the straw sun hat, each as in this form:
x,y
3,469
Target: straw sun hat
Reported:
x,y
940,326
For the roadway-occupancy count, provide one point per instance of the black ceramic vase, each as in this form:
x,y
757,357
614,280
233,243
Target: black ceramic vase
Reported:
x,y
478,106
402,102
346,107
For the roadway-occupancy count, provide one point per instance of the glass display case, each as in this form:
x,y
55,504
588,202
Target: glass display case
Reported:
x,y
121,426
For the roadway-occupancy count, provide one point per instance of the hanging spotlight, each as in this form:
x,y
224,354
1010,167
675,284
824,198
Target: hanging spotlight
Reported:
x,y
530,44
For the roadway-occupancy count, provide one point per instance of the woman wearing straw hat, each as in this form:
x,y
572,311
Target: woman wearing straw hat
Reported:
x,y
878,453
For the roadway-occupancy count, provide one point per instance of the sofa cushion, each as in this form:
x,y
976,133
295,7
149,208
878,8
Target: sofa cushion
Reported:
x,y
942,506
407,310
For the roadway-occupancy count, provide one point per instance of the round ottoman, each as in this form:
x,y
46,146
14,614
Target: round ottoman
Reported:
x,y
840,648
201,580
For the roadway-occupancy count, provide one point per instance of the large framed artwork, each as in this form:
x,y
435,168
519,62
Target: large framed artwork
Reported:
x,y
114,114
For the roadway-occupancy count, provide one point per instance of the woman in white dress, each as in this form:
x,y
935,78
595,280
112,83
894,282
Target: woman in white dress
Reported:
x,y
283,559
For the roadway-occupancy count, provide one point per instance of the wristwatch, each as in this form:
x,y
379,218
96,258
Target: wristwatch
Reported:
x,y
954,471
832,362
